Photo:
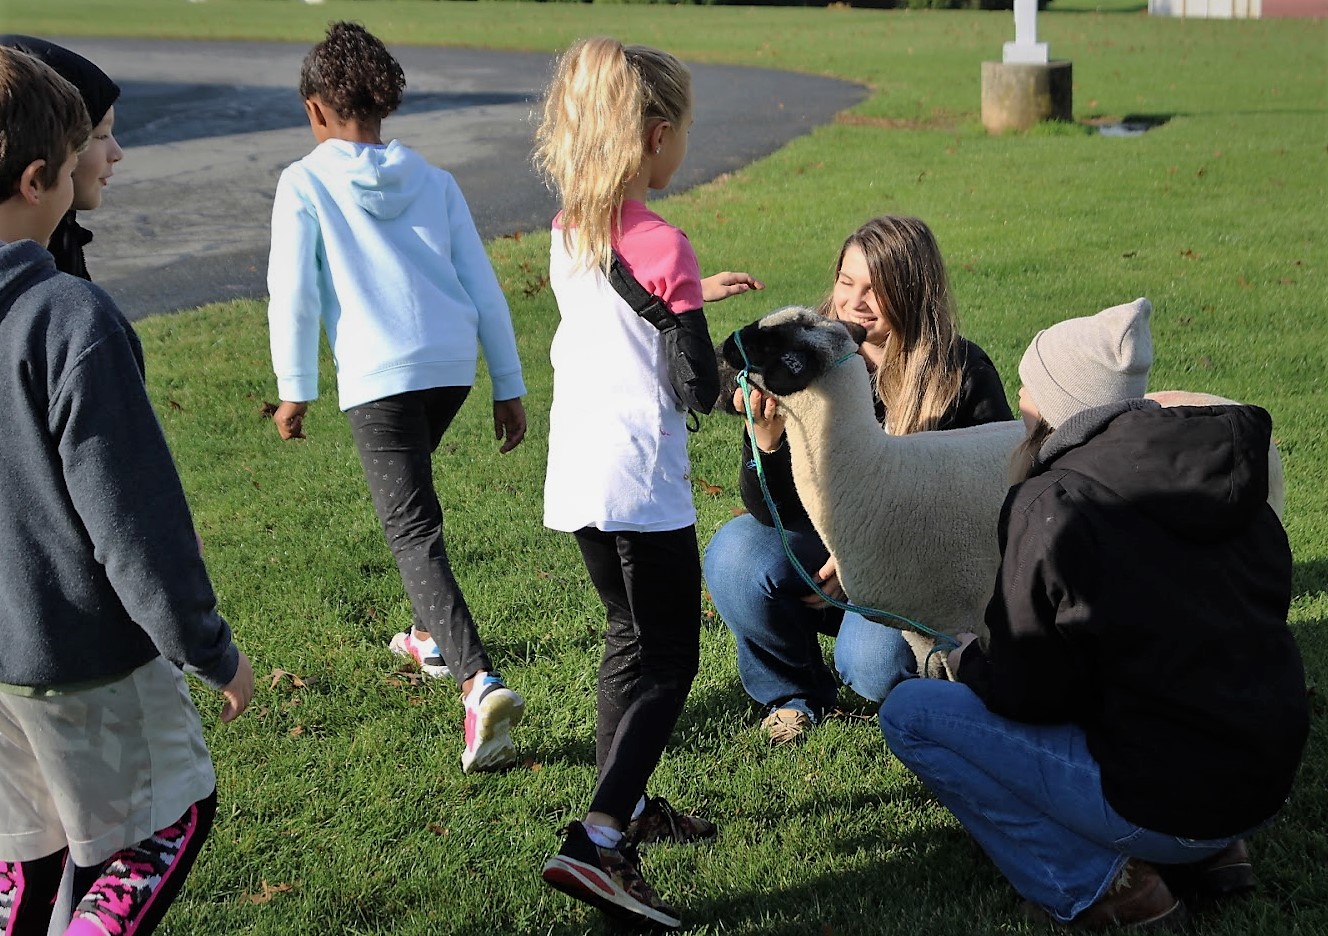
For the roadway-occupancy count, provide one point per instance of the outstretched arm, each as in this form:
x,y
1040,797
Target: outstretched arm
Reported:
x,y
722,285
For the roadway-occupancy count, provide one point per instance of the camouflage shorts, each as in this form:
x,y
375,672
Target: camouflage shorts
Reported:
x,y
99,769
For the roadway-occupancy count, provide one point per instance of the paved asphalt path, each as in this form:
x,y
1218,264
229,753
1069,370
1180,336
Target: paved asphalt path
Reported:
x,y
208,126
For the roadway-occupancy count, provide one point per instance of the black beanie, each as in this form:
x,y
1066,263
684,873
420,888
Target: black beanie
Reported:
x,y
99,92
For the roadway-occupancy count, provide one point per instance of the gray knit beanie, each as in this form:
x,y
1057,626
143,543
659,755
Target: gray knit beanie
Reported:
x,y
1085,362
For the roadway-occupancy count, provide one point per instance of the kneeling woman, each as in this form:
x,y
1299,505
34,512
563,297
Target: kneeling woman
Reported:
x,y
1140,707
890,279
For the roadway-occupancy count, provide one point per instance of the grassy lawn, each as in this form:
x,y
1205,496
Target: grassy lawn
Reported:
x,y
343,806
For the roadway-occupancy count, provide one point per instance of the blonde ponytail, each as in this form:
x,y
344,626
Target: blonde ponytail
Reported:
x,y
591,137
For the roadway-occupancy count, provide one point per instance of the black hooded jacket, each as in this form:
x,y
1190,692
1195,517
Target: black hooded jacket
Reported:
x,y
1143,594
99,94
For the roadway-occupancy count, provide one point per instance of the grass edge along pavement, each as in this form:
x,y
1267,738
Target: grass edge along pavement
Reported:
x,y
343,806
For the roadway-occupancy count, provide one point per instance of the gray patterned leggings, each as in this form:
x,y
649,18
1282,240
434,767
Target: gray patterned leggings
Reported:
x,y
396,437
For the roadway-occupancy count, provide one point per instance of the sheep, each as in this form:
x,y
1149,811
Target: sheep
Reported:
x,y
911,520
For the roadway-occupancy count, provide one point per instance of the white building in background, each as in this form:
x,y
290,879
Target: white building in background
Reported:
x,y
1238,9
1207,9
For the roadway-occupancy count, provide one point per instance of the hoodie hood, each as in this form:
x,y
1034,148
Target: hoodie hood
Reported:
x,y
382,180
98,91
1200,471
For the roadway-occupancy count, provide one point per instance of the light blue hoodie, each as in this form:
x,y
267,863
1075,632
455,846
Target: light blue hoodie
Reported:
x,y
379,247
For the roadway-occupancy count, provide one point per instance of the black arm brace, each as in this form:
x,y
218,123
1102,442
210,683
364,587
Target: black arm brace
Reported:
x,y
688,351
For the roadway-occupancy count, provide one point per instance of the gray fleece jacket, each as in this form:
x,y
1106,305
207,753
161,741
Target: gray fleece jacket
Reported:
x,y
99,568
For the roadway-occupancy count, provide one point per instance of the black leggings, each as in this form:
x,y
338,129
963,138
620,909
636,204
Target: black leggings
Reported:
x,y
650,584
129,893
396,437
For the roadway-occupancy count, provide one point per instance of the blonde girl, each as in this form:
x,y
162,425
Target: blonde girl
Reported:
x,y
614,126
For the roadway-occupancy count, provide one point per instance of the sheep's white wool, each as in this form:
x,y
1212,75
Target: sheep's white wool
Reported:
x,y
911,520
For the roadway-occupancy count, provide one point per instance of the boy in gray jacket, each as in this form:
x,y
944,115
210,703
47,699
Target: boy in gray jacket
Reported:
x,y
104,775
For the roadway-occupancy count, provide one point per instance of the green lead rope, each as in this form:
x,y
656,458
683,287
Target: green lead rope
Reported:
x,y
944,642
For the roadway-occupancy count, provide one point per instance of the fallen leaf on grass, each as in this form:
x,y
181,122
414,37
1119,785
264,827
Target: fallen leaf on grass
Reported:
x,y
297,731
532,765
299,682
268,892
1189,254
707,487
403,678
437,829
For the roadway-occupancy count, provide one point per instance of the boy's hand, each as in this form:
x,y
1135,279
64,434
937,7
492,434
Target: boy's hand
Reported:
x,y
723,285
509,423
289,419
239,690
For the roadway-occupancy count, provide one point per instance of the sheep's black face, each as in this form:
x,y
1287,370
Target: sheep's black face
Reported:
x,y
789,349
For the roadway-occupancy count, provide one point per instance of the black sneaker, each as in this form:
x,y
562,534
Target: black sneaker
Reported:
x,y
660,822
607,878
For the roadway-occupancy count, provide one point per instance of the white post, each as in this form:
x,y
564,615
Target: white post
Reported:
x,y
1025,50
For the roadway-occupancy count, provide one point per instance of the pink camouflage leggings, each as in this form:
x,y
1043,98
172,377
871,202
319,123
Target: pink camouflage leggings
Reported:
x,y
126,896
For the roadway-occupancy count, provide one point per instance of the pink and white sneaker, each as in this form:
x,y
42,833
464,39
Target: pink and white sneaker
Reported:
x,y
492,711
423,652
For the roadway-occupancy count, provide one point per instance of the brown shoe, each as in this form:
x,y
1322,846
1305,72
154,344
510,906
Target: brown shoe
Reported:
x,y
1225,874
1138,897
786,725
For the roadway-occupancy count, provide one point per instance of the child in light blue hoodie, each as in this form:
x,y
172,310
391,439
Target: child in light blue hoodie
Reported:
x,y
377,246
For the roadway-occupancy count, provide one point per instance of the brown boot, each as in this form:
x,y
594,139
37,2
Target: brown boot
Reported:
x,y
1225,874
1138,897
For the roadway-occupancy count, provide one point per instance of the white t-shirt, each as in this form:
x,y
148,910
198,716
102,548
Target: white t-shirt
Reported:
x,y
617,434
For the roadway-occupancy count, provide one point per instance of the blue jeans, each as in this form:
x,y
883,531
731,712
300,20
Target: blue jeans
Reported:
x,y
759,595
1031,795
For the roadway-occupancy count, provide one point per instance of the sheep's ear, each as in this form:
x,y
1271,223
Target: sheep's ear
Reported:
x,y
791,371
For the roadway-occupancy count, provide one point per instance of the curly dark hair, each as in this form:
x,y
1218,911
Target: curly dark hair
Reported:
x,y
353,73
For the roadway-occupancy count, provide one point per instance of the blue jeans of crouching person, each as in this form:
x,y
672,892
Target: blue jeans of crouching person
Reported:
x,y
1031,795
758,593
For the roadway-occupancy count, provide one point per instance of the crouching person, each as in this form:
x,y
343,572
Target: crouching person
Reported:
x,y
105,780
1140,707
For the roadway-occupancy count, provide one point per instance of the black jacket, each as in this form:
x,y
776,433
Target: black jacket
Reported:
x,y
66,246
1143,594
981,400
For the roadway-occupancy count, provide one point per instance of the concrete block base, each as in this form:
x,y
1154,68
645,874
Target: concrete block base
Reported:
x,y
1016,96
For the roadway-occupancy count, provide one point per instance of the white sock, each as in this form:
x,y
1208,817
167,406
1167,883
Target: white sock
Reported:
x,y
603,836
